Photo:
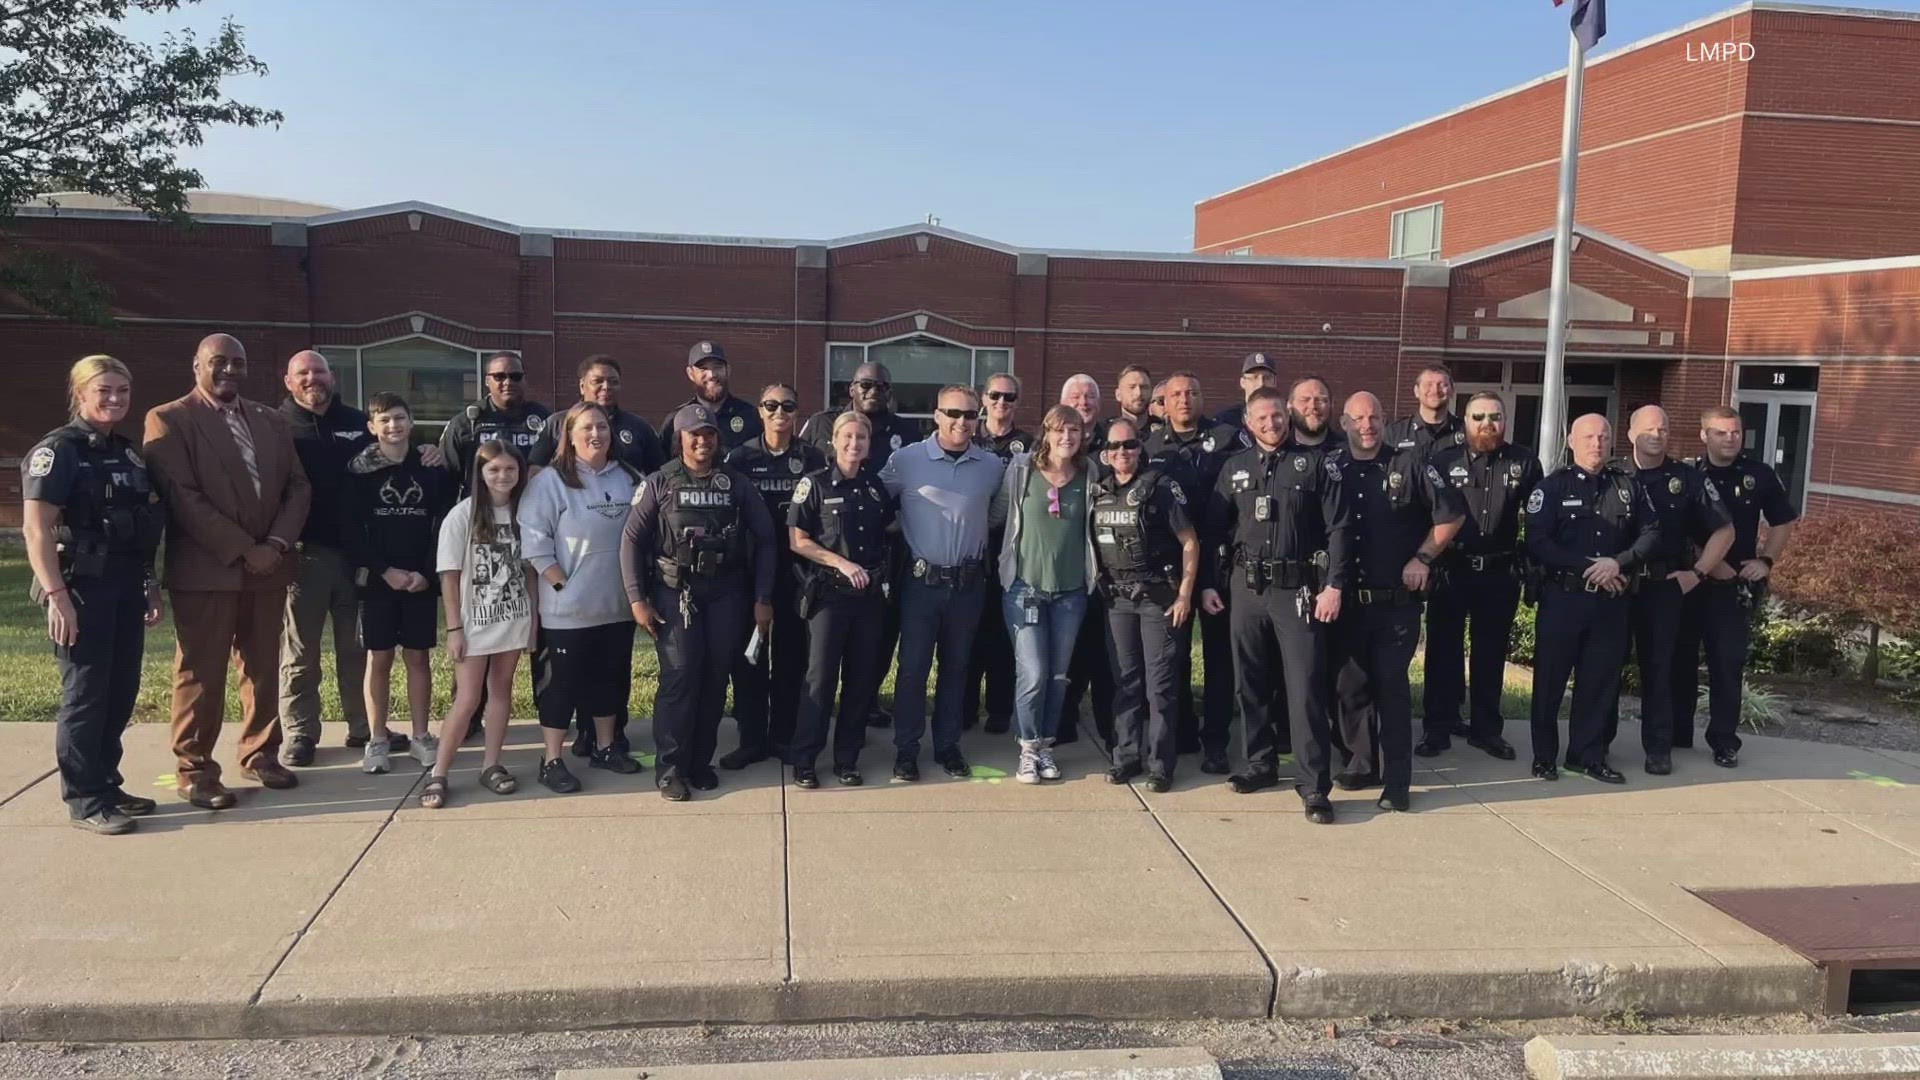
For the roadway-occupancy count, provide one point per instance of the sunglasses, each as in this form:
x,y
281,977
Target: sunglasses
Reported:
x,y
959,414
1486,417
1124,444
872,384
1053,501
506,376
1003,395
771,405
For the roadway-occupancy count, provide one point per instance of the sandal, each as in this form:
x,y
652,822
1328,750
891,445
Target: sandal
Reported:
x,y
434,795
499,781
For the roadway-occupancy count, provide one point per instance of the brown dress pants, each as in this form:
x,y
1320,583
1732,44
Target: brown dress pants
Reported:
x,y
209,627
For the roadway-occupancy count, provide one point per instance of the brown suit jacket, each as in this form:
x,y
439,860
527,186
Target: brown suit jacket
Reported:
x,y
213,515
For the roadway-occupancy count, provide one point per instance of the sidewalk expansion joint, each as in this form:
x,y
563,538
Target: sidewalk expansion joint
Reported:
x,y
786,877
28,786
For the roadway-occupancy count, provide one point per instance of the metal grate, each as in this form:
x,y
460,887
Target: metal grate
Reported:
x,y
1840,928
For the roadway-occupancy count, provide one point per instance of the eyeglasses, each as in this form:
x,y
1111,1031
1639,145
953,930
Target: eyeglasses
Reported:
x,y
1486,417
506,376
1008,396
959,414
1124,444
872,384
770,405
1053,501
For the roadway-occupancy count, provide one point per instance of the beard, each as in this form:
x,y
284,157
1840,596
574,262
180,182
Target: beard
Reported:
x,y
1301,424
1485,442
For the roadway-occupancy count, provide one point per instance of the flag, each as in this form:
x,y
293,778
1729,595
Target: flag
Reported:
x,y
1589,20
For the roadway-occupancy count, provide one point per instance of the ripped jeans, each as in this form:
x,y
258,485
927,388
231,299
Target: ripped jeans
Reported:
x,y
1042,649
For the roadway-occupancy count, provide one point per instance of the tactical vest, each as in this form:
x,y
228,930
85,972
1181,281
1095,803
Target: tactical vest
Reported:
x,y
1131,532
114,522
703,533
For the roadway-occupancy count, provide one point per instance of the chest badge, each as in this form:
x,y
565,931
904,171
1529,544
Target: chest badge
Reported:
x,y
626,438
1299,464
1626,496
1133,496
794,466
1207,444
894,440
41,463
1536,501
1017,446
802,489
1458,472
738,425
1395,481
721,481
1514,470
535,423
1746,483
1675,485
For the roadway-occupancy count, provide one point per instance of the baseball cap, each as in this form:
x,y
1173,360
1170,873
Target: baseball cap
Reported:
x,y
694,416
1255,362
706,352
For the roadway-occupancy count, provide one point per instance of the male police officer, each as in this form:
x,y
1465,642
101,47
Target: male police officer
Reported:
x,y
1404,516
697,547
992,649
502,413
1478,580
1590,528
871,395
1695,533
1433,424
1718,611
1256,371
1310,415
708,372
635,443
1134,395
1289,556
1191,450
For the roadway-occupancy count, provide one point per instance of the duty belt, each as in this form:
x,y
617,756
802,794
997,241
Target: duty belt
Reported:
x,y
1498,560
1394,595
1575,581
1283,573
958,576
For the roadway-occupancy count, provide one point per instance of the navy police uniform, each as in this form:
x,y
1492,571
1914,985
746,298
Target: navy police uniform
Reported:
x,y
519,427
992,648
1424,439
1574,517
1479,583
848,515
891,431
735,420
635,444
110,527
766,692
1136,532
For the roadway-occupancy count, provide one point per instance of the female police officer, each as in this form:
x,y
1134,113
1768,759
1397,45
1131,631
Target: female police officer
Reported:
x,y
92,527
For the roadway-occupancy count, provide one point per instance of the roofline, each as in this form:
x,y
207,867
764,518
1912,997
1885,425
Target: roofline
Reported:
x,y
1546,235
1560,73
418,207
1843,266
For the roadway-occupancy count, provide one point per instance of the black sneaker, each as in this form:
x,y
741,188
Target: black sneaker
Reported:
x,y
1215,763
299,751
583,743
704,779
613,761
557,778
108,822
956,766
1255,780
674,789
848,775
906,769
804,776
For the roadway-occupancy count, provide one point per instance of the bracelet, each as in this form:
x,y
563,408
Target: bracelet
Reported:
x,y
51,593
455,629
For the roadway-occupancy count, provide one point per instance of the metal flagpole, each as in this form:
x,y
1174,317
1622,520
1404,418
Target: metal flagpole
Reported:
x,y
1553,390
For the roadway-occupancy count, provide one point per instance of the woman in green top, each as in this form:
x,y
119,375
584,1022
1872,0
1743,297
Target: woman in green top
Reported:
x,y
1046,570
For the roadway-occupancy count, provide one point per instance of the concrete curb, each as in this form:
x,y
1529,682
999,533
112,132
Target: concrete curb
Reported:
x,y
1707,1057
1169,1063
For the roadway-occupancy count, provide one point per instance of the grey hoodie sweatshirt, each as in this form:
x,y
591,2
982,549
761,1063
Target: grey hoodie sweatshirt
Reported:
x,y
579,529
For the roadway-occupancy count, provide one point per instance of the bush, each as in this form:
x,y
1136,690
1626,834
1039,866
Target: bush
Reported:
x,y
1791,641
1859,568
1520,641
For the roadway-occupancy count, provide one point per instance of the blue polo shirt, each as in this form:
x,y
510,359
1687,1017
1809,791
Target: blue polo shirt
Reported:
x,y
943,501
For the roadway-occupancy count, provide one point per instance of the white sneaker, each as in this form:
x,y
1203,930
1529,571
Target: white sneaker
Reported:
x,y
377,758
1028,771
1044,762
424,749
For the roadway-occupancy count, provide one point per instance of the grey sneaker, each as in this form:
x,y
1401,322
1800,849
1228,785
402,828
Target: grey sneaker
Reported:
x,y
1028,771
376,758
1043,760
424,749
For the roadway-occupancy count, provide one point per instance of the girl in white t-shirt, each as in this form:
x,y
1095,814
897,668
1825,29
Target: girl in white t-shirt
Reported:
x,y
488,592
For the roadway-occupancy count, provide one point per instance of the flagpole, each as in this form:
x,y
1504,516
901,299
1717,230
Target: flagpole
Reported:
x,y
1553,395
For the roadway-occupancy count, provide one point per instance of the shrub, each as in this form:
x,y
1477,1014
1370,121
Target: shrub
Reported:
x,y
1787,640
1859,568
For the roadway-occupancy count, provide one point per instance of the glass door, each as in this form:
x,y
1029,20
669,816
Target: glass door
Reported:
x,y
1776,405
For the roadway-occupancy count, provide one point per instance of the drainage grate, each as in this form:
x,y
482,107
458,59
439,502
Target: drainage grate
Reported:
x,y
1842,929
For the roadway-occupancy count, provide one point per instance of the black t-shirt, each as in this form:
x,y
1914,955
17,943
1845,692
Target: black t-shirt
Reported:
x,y
325,443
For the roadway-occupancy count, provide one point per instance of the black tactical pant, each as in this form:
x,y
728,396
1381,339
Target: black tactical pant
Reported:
x,y
99,679
1714,616
992,659
1211,727
1146,652
1489,598
694,661
1582,635
1265,624
843,657
1656,614
1372,646
766,694
1089,673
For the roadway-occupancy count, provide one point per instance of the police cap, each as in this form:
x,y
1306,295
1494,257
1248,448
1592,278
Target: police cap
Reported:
x,y
1256,362
693,416
706,352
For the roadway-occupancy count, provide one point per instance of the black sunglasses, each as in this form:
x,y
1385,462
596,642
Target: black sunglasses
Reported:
x,y
1124,444
872,384
1003,395
770,405
959,414
506,376
1485,417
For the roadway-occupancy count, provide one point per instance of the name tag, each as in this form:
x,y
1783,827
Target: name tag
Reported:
x,y
835,499
1571,502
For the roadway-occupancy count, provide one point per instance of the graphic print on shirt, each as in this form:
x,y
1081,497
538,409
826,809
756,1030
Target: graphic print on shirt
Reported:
x,y
499,582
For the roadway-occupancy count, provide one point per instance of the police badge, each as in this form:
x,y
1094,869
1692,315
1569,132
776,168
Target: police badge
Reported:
x,y
1514,470
1675,485
802,489
1626,496
1017,446
1299,464
1536,501
894,440
535,423
626,438
721,482
1395,481
1746,483
794,466
41,463
737,424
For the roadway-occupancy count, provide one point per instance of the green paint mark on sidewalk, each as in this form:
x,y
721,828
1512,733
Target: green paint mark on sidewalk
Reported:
x,y
1877,781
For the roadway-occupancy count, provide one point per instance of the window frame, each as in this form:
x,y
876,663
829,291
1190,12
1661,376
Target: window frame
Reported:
x,y
1396,232
865,347
359,370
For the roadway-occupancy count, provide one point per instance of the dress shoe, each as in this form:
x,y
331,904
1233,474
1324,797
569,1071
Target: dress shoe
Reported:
x,y
298,752
848,775
359,742
1352,781
956,766
1604,773
1545,770
998,725
1319,809
1120,774
133,805
270,774
1395,802
1159,784
742,756
108,822
1255,780
1431,746
206,793
804,776
1494,745
1726,759
1659,764
1214,763
674,789
906,769
703,779
879,718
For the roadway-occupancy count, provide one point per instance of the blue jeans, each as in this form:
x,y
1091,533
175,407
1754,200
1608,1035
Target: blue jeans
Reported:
x,y
1041,652
935,621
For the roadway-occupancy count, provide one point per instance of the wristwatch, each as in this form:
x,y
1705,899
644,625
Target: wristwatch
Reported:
x,y
1768,559
558,585
1424,558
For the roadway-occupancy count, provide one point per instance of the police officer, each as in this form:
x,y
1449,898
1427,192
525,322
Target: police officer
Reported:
x,y
1286,516
1310,415
1256,371
837,523
1590,528
766,689
1433,425
503,413
1478,581
635,444
1149,562
696,550
1695,533
1718,613
992,648
1134,395
1404,516
708,372
92,528
1191,450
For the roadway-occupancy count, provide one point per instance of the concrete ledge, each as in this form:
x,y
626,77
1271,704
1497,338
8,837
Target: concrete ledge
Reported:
x,y
1099,986
1832,1057
1168,1063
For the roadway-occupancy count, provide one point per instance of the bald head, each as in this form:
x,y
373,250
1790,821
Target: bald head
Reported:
x,y
1647,431
219,366
1364,424
309,380
1589,440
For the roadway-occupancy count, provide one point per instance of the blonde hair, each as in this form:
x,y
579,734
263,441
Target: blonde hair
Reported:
x,y
1060,416
87,369
850,417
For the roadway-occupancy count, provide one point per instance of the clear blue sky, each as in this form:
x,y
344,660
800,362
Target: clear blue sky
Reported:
x,y
1046,123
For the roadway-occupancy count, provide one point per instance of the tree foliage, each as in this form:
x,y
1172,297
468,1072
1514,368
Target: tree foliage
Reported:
x,y
1856,566
84,107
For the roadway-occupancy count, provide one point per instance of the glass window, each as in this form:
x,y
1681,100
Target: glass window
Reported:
x,y
1590,374
1415,233
346,374
1479,371
1241,251
920,365
437,379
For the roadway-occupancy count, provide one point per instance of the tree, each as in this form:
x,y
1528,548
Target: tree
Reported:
x,y
1858,567
83,107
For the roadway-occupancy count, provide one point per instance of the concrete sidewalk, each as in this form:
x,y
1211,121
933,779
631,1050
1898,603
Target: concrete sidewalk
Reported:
x,y
343,907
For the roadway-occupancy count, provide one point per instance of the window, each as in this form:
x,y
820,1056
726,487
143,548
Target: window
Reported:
x,y
436,377
1416,233
1248,250
921,364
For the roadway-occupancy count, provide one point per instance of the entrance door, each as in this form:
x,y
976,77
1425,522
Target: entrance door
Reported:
x,y
1776,404
1590,389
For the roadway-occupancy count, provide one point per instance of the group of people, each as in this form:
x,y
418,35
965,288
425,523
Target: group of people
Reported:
x,y
791,560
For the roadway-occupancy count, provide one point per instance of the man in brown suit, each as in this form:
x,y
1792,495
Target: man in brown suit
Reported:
x,y
236,498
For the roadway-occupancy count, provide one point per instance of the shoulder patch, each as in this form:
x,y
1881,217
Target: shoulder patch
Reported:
x,y
1713,492
639,489
1179,495
1333,468
803,488
1536,501
41,462
1433,476
737,424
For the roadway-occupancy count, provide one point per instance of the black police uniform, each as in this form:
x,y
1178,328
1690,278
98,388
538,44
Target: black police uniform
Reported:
x,y
891,431
848,515
700,550
635,444
738,421
1478,581
1424,439
1143,426
992,648
1286,519
1574,517
766,694
1194,459
1719,613
1235,417
1397,500
1690,511
519,427
1136,529
110,527
1089,668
